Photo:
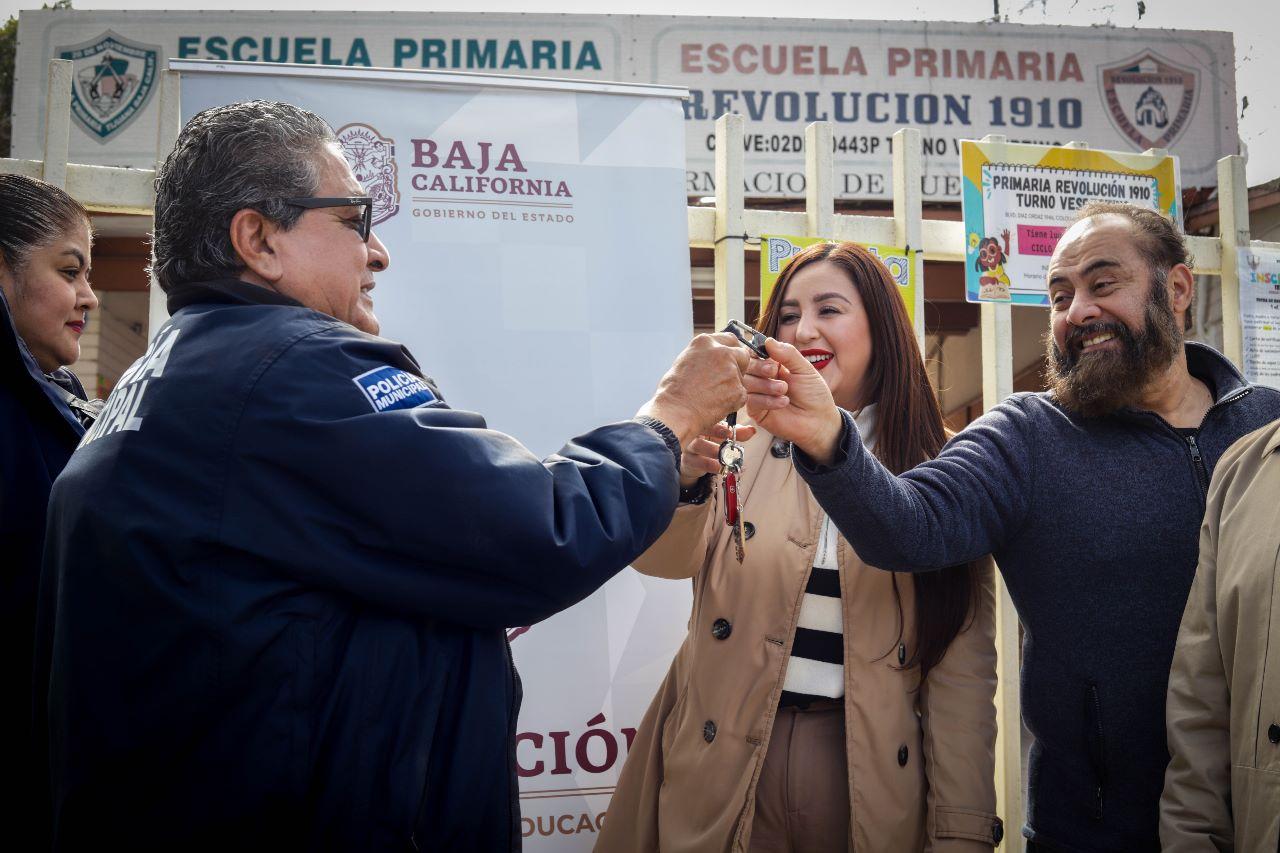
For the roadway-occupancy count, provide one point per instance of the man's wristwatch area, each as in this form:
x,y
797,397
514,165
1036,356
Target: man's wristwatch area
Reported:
x,y
698,492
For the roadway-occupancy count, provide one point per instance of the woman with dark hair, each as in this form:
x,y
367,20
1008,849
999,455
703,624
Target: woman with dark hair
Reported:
x,y
817,704
45,299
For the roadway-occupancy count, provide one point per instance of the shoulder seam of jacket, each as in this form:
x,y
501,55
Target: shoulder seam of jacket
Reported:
x,y
255,378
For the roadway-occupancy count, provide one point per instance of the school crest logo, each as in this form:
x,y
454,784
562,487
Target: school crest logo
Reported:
x,y
112,80
1149,99
372,158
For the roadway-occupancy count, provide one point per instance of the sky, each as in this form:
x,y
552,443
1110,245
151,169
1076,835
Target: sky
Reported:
x,y
1255,24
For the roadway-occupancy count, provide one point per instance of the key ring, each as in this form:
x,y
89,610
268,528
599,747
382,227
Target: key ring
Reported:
x,y
731,454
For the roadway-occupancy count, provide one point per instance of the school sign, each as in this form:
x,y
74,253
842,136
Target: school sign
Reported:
x,y
1122,90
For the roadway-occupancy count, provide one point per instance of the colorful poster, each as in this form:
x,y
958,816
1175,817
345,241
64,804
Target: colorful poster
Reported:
x,y
1259,271
776,250
1019,199
515,281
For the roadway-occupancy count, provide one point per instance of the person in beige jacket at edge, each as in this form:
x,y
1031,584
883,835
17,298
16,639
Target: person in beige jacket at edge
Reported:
x,y
1222,788
817,704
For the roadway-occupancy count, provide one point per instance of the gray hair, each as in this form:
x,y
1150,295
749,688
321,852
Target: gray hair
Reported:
x,y
226,159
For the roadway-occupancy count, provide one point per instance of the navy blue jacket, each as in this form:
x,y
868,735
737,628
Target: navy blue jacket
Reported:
x,y
1095,525
38,433
283,568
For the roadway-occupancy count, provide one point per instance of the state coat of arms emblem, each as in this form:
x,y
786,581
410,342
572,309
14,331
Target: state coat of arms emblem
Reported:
x,y
113,79
372,158
1149,99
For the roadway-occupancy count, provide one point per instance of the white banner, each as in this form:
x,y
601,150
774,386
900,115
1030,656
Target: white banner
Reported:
x,y
1114,89
1259,271
540,273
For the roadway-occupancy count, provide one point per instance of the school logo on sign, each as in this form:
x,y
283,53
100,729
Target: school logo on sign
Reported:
x,y
113,78
1149,99
372,157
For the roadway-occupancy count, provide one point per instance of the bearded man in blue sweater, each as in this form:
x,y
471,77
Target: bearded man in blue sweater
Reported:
x,y
1090,496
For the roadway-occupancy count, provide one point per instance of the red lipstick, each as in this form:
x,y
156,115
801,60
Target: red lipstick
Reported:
x,y
819,358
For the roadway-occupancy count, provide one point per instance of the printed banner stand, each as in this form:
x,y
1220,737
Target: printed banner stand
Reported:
x,y
512,209
777,250
1019,199
1259,271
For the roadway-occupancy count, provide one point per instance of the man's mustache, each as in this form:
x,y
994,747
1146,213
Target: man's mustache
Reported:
x,y
1079,334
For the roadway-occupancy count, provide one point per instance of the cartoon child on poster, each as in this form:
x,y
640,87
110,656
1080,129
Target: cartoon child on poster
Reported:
x,y
993,283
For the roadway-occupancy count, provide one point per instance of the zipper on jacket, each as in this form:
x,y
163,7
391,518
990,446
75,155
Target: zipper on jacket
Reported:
x,y
1202,473
1197,459
1098,754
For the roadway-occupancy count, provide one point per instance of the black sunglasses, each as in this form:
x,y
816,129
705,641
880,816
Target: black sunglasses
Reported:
x,y
366,221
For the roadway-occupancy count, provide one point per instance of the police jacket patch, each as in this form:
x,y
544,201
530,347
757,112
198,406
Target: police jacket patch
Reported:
x,y
388,388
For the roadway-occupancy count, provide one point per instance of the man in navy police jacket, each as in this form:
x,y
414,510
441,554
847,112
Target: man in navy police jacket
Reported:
x,y
279,569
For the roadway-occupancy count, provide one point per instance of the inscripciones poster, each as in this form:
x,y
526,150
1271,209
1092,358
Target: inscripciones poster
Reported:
x,y
1259,271
1019,199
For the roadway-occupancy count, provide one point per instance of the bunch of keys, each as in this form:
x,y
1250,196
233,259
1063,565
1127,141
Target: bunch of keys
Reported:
x,y
731,454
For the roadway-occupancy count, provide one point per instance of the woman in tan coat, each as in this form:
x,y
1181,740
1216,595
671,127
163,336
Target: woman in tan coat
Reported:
x,y
817,704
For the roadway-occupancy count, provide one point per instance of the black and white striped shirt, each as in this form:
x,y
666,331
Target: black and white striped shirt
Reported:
x,y
816,667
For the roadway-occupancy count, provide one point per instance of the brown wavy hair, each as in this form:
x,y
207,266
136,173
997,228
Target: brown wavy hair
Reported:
x,y
909,428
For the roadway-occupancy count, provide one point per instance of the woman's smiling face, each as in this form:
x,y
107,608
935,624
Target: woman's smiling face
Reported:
x,y
823,317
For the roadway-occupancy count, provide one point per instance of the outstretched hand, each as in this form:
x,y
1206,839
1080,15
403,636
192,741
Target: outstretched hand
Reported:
x,y
787,396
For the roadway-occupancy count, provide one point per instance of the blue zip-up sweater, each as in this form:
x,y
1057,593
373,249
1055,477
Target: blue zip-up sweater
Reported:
x,y
1095,526
280,569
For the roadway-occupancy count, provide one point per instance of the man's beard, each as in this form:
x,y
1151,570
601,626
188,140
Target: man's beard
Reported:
x,y
1099,383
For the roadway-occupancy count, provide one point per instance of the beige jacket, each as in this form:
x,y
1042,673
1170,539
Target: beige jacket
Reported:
x,y
1222,788
686,787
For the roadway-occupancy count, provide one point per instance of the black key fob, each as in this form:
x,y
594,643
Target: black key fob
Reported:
x,y
751,339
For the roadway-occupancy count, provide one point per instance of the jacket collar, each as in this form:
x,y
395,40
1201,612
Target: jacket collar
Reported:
x,y
224,291
1212,367
22,367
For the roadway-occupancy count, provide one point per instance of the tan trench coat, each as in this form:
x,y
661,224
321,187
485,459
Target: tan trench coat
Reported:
x,y
1222,788
680,792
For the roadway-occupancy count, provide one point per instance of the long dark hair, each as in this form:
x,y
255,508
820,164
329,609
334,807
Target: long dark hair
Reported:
x,y
909,428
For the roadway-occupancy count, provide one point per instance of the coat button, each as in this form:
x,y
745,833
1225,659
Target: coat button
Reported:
x,y
997,832
1273,733
902,755
708,731
721,629
780,449
748,530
